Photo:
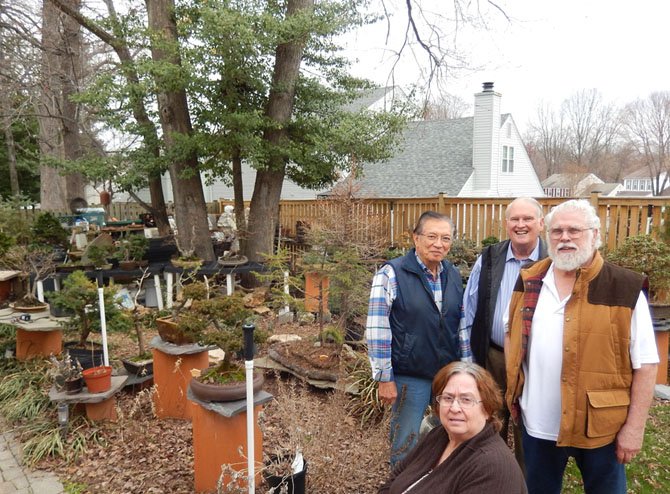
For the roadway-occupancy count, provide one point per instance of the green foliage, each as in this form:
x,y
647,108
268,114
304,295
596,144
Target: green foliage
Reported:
x,y
365,404
278,265
80,295
646,255
463,254
6,241
491,240
14,220
47,229
25,131
332,334
24,403
99,254
132,248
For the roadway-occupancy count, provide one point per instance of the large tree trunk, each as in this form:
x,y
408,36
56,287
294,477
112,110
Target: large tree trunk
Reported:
x,y
71,72
52,185
264,211
147,128
189,200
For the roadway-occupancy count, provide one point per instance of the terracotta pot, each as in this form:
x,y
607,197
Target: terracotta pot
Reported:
x,y
169,331
98,379
225,392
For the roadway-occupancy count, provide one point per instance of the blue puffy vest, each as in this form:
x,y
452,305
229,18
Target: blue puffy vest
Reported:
x,y
424,339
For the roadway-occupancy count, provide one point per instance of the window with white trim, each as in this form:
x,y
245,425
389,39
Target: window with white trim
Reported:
x,y
508,159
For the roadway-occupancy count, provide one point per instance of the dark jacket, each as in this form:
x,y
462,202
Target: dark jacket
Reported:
x,y
480,465
490,277
424,339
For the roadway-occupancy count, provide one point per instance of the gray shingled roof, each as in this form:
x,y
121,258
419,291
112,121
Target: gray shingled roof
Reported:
x,y
436,156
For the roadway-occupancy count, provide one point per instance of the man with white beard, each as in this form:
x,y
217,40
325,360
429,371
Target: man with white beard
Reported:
x,y
581,358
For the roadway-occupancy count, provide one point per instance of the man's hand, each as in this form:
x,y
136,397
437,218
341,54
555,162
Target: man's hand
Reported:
x,y
628,443
387,392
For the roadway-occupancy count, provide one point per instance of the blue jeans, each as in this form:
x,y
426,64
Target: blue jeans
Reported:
x,y
406,414
545,465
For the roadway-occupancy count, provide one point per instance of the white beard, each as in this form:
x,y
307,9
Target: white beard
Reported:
x,y
569,261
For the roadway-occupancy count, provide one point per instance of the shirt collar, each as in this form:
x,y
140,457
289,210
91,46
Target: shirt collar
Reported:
x,y
534,256
425,269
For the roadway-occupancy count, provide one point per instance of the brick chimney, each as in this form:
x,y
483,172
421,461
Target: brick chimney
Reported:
x,y
486,139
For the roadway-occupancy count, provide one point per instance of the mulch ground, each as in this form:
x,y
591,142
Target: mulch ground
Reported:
x,y
142,454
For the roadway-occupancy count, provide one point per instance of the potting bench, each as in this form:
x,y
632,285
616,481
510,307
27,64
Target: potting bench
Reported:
x,y
210,269
220,438
40,336
99,406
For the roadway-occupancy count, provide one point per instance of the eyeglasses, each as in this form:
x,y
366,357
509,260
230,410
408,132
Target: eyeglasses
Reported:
x,y
464,401
573,232
432,238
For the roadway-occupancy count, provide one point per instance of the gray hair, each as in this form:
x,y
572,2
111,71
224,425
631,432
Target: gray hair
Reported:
x,y
530,200
580,206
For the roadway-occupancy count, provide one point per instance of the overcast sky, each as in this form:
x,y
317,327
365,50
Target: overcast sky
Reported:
x,y
547,51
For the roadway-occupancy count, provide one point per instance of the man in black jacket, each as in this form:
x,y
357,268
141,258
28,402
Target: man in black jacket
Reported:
x,y
489,290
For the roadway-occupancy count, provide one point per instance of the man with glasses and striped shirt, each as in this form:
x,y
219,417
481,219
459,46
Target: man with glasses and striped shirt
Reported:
x,y
412,326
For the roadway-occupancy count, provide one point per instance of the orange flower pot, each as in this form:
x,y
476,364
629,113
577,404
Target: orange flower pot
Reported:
x,y
98,379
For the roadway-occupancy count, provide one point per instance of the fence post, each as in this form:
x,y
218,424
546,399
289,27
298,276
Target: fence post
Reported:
x,y
440,202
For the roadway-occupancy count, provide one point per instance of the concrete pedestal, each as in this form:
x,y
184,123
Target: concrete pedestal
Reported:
x,y
172,373
220,438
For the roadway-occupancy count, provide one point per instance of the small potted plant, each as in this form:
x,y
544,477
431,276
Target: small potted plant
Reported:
x,y
80,295
131,251
66,374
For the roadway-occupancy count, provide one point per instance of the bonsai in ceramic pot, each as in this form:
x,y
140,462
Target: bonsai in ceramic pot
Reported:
x,y
131,251
225,381
80,295
35,263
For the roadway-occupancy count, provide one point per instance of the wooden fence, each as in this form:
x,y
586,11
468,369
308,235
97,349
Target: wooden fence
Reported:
x,y
479,218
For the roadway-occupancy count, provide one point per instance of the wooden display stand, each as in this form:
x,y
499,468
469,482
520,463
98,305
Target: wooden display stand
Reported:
x,y
172,373
30,344
220,438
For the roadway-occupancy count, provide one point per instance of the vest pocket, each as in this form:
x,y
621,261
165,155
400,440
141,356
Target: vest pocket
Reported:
x,y
607,411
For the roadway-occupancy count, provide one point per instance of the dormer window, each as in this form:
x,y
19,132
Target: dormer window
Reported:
x,y
508,159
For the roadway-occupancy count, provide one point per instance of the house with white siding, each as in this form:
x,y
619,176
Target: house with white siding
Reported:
x,y
478,156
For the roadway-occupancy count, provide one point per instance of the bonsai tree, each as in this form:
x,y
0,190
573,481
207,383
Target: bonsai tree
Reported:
x,y
98,254
33,261
132,248
80,295
651,257
47,230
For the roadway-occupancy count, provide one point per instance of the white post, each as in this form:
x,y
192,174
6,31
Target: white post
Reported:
x,y
229,284
251,454
169,281
103,325
40,290
286,290
159,293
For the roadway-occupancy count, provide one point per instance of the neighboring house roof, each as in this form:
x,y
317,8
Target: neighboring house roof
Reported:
x,y
604,189
373,97
565,180
436,157
639,173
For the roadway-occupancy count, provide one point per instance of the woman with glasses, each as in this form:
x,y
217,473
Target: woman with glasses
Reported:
x,y
466,454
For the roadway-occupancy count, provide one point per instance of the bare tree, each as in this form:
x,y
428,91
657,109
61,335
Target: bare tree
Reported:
x,y
445,107
648,128
547,140
593,126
